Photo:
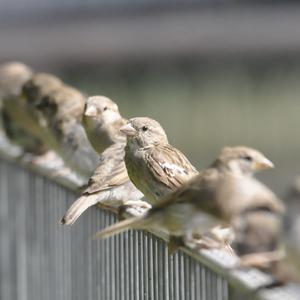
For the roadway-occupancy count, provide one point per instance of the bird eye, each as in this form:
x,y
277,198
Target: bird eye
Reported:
x,y
247,157
145,128
105,108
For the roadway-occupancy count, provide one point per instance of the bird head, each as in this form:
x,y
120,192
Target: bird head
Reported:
x,y
101,110
243,160
64,103
39,87
144,132
12,77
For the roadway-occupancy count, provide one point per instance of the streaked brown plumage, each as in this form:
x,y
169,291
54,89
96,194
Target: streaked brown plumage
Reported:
x,y
18,123
102,122
61,112
221,192
12,77
109,185
259,242
154,166
257,230
40,86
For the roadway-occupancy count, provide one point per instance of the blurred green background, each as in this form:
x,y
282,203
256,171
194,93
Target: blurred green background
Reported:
x,y
213,73
204,105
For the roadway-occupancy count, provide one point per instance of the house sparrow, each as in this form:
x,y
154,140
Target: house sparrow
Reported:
x,y
61,113
12,77
17,122
292,219
259,242
258,234
102,122
38,88
154,166
109,185
221,192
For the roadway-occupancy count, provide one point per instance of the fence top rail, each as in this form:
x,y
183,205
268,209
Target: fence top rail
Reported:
x,y
243,280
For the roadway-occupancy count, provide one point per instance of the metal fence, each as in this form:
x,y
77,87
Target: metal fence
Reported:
x,y
40,259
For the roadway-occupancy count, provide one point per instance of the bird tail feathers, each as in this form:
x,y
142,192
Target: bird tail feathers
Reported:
x,y
132,223
77,208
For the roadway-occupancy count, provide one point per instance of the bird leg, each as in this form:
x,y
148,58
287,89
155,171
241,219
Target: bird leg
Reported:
x,y
132,207
210,241
196,241
207,243
222,235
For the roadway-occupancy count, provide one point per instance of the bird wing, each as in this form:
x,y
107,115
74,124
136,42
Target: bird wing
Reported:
x,y
199,190
169,166
110,172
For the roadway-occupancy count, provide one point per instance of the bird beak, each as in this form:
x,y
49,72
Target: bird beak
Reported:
x,y
128,130
91,111
264,164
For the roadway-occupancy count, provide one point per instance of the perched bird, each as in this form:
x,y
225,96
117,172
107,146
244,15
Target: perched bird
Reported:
x,y
259,242
17,120
60,113
258,236
12,77
102,122
292,218
109,185
40,85
154,166
221,192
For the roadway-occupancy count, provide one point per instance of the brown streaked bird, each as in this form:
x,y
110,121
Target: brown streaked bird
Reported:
x,y
258,236
38,87
61,113
18,124
102,122
215,195
154,166
292,218
259,242
109,186
12,77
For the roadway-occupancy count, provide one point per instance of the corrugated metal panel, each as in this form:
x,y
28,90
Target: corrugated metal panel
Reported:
x,y
39,259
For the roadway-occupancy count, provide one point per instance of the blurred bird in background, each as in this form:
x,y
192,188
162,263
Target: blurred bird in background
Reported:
x,y
258,236
60,112
17,121
292,219
154,166
221,192
288,269
260,242
102,122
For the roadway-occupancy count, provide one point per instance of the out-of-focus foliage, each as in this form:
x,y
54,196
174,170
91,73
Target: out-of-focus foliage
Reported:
x,y
205,105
